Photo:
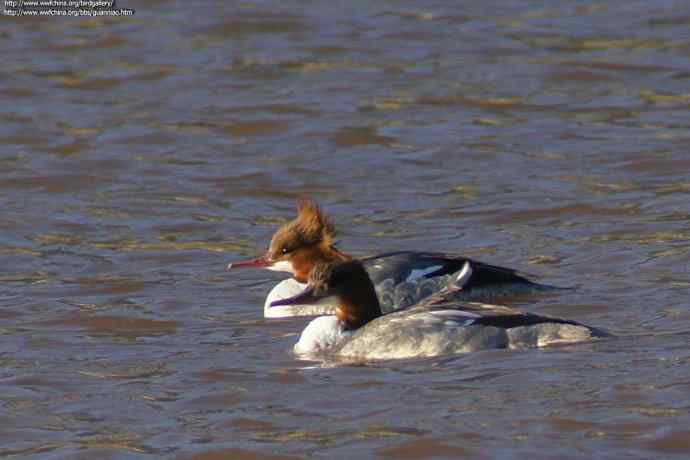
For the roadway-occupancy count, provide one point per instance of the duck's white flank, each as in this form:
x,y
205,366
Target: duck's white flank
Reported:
x,y
289,288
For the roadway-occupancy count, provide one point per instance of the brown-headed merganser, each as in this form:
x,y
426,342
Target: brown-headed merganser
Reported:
x,y
433,327
400,278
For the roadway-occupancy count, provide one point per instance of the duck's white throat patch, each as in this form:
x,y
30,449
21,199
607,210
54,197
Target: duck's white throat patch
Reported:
x,y
283,266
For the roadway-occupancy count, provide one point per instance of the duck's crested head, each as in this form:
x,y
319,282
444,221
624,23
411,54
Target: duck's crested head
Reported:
x,y
311,227
298,245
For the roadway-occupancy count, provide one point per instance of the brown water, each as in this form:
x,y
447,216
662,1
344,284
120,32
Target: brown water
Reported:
x,y
141,155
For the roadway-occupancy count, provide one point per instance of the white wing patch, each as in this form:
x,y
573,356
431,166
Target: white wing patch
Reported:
x,y
464,274
416,274
446,318
454,318
454,314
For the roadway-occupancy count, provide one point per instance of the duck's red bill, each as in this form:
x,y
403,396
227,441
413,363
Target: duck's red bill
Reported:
x,y
306,296
259,262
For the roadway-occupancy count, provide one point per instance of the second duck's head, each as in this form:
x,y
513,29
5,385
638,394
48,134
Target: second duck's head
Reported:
x,y
349,282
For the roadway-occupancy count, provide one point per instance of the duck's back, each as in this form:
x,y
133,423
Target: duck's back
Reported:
x,y
404,278
421,334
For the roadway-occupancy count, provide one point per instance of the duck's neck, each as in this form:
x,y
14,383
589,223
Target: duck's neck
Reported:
x,y
306,259
358,305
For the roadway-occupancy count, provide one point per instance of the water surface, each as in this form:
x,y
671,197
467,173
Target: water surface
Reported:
x,y
140,155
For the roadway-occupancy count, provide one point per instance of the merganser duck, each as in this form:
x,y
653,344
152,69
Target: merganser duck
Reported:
x,y
434,327
400,278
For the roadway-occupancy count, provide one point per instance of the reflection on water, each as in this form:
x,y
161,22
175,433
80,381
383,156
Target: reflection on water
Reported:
x,y
139,156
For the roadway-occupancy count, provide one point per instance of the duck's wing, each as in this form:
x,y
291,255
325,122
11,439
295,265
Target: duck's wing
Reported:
x,y
404,266
455,285
409,265
487,314
475,308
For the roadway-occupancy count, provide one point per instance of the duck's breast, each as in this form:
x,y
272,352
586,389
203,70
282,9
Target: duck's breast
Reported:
x,y
321,335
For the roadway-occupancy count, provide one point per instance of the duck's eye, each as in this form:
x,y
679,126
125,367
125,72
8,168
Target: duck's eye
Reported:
x,y
285,250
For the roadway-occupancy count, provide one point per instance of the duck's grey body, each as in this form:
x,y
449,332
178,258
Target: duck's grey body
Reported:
x,y
425,331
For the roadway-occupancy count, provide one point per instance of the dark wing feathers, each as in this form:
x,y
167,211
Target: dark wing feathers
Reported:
x,y
519,319
399,265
